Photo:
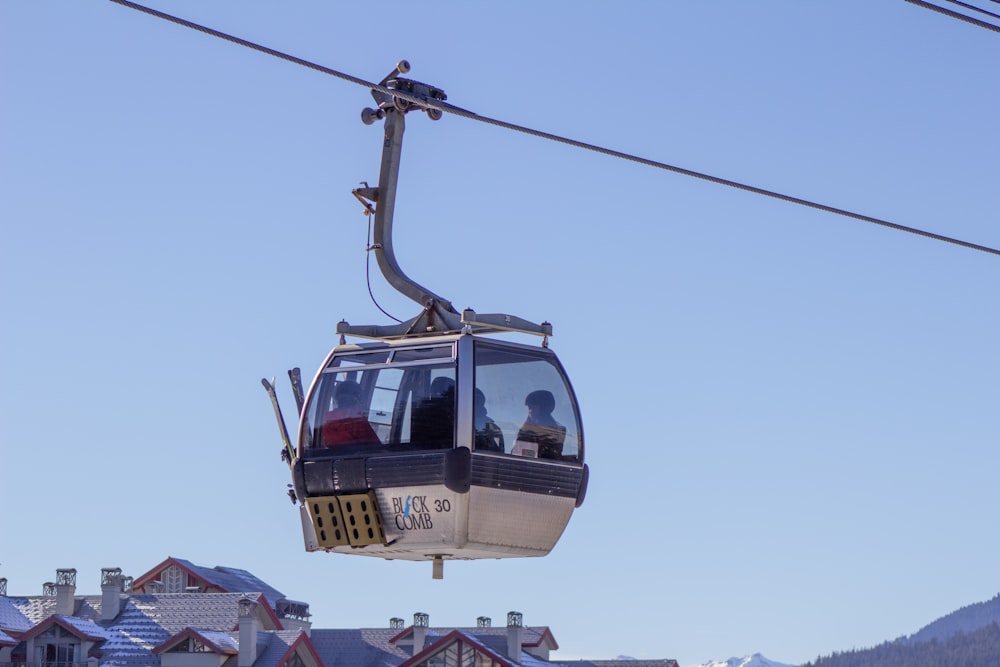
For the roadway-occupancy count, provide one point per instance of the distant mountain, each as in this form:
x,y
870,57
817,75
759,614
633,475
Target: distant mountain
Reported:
x,y
967,619
969,637
979,648
755,660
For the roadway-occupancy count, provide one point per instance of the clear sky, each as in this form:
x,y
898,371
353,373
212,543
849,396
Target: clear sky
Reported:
x,y
792,418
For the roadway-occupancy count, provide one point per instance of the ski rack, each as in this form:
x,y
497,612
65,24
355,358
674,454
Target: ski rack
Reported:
x,y
439,315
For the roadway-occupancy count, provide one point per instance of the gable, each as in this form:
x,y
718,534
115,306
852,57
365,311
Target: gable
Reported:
x,y
300,652
77,627
458,648
171,569
179,576
192,640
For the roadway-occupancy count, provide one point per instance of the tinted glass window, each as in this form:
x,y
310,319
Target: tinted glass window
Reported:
x,y
524,405
400,400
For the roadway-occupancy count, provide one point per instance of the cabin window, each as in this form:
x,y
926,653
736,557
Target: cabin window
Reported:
x,y
398,399
524,405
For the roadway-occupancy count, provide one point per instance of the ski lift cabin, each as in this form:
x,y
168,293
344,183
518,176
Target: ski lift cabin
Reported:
x,y
433,441
423,449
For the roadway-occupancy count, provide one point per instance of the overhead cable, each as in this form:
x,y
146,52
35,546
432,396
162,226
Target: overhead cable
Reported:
x,y
974,8
447,108
949,12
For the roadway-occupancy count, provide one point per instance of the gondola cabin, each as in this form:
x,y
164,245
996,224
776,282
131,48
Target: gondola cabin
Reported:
x,y
441,447
433,441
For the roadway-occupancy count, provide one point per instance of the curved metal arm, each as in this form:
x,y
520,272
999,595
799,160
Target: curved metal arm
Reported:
x,y
438,316
386,203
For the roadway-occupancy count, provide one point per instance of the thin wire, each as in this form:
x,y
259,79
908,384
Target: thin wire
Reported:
x,y
368,271
447,108
739,186
953,14
973,8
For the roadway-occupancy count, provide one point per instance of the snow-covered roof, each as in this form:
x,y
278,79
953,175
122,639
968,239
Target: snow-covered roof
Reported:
x,y
386,647
11,616
218,642
276,646
82,627
228,579
144,622
358,648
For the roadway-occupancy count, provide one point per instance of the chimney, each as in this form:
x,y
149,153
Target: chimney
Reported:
x,y
65,591
396,623
3,587
111,591
484,622
248,633
515,635
421,623
48,589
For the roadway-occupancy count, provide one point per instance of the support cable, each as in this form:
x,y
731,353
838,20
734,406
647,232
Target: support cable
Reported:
x,y
448,108
974,8
946,12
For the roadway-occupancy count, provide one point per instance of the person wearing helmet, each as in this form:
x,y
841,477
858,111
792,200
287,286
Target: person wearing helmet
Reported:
x,y
541,435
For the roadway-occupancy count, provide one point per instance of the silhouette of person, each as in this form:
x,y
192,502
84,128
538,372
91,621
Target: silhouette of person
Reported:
x,y
541,435
434,418
489,436
347,423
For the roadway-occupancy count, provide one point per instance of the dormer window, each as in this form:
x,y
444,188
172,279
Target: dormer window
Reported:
x,y
57,648
189,645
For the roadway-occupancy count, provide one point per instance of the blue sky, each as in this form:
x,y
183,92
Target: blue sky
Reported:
x,y
791,417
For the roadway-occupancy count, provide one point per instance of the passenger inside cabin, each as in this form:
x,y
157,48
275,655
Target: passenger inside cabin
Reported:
x,y
434,418
347,423
489,436
541,436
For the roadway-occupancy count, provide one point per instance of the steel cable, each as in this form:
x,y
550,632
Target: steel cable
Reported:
x,y
957,15
974,8
447,108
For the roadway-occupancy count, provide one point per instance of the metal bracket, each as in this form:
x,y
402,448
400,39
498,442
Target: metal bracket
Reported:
x,y
438,316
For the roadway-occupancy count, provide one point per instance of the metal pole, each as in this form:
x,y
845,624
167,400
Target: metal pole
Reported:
x,y
382,233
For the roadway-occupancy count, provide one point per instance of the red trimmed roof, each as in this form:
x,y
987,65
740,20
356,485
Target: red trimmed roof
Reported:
x,y
142,580
547,634
191,633
58,619
301,640
454,637
151,575
403,633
